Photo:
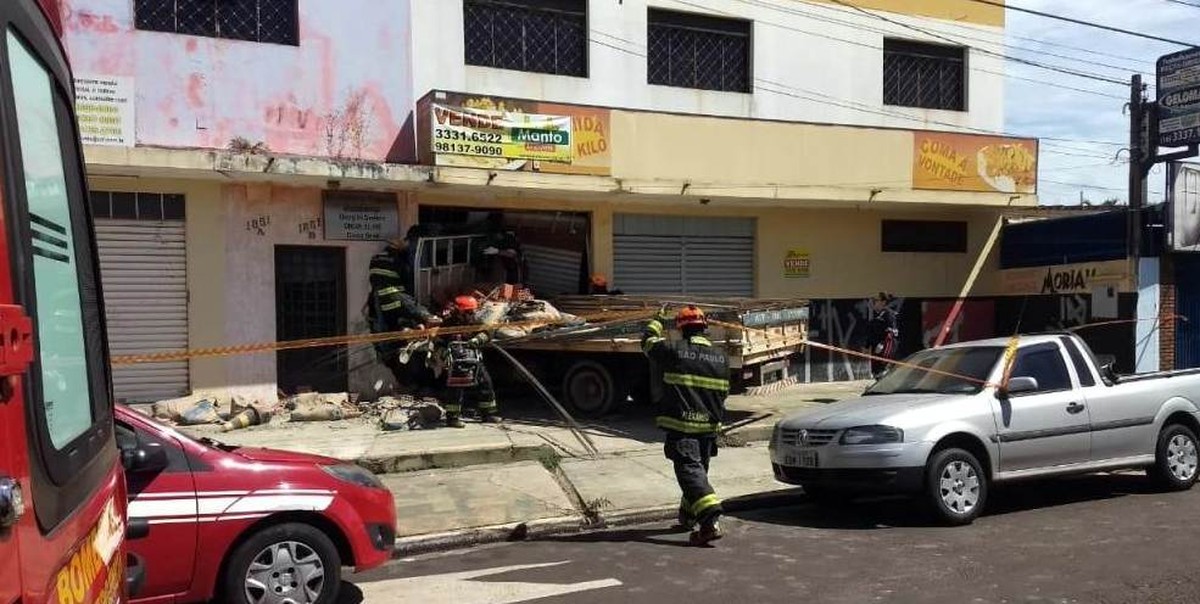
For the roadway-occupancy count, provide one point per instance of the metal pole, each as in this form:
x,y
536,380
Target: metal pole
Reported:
x,y
1138,149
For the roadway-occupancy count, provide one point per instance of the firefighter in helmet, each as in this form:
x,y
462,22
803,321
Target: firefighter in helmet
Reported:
x,y
393,308
696,379
467,381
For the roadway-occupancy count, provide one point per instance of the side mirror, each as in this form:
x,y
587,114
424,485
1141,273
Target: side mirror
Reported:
x,y
1021,385
146,458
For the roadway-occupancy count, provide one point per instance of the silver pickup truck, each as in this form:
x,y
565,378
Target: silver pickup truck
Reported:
x,y
945,432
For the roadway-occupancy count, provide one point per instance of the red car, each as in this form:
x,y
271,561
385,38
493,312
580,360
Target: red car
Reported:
x,y
239,524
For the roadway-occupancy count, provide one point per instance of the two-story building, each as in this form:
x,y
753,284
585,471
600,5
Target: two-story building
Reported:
x,y
247,158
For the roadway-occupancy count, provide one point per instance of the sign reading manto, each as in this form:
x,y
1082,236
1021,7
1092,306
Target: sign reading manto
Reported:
x,y
104,108
967,162
505,134
351,217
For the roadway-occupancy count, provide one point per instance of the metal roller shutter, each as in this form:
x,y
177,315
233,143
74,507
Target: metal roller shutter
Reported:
x,y
143,268
683,255
552,271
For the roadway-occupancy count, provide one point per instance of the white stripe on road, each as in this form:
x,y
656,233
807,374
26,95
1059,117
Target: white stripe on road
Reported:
x,y
458,588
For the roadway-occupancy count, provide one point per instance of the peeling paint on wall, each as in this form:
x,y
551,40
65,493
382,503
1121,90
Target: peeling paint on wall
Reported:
x,y
351,76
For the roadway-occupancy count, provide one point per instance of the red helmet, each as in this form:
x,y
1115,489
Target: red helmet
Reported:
x,y
690,316
466,304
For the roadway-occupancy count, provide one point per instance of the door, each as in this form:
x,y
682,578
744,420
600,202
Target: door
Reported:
x,y
683,255
1049,426
142,242
1187,304
310,302
164,495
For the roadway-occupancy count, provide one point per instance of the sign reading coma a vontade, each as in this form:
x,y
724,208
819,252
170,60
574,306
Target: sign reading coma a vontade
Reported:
x,y
1184,202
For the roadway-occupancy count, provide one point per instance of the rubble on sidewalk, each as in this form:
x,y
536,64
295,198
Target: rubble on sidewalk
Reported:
x,y
408,413
199,408
315,406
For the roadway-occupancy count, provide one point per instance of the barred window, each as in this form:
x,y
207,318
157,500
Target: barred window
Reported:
x,y
137,206
542,36
698,51
930,76
270,21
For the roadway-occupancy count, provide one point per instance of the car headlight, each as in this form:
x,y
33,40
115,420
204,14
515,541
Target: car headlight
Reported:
x,y
354,475
872,435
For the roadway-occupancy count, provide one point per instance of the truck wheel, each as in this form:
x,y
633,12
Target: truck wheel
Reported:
x,y
956,486
589,388
290,562
1175,459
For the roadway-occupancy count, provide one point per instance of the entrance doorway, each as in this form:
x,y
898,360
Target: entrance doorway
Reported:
x,y
310,302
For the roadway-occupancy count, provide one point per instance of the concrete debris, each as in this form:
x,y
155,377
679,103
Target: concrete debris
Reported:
x,y
315,407
407,413
197,409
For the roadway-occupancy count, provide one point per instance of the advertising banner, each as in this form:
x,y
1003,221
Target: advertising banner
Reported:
x,y
966,162
473,131
1185,207
1179,98
104,108
1082,278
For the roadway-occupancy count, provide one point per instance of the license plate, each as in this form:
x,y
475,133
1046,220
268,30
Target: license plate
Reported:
x,y
802,459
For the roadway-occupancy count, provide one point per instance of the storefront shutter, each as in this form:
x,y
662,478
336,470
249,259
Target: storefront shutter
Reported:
x,y
683,255
143,267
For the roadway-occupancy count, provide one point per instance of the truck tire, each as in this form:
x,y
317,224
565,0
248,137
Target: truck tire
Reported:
x,y
1175,459
296,561
956,487
589,388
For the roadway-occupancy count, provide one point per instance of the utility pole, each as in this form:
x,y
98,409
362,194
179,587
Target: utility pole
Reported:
x,y
1139,153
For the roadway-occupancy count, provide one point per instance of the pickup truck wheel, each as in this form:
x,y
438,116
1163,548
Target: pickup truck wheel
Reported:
x,y
956,486
1176,458
289,563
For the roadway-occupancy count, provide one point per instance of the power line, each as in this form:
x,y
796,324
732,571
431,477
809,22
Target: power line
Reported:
x,y
1185,3
1081,22
1064,70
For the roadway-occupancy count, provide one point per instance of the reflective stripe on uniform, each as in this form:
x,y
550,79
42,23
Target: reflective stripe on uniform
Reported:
x,y
686,427
696,381
384,272
701,340
651,342
387,291
655,327
705,503
452,408
488,406
392,305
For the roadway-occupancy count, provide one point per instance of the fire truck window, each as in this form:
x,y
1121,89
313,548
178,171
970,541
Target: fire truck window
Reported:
x,y
66,395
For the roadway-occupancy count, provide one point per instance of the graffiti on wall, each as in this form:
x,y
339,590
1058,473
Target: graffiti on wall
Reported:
x,y
843,323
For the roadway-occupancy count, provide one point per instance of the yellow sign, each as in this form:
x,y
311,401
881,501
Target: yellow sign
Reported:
x,y
797,264
967,162
501,134
1067,278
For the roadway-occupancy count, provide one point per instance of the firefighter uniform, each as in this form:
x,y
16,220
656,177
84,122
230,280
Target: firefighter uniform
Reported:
x,y
393,309
696,382
480,394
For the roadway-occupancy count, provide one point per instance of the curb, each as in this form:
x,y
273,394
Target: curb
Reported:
x,y
398,464
565,525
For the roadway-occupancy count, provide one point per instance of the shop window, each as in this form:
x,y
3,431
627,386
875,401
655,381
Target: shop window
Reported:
x,y
540,36
269,21
137,206
697,51
924,236
929,76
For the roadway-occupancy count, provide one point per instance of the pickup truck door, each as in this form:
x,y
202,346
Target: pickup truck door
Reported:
x,y
1122,416
1048,427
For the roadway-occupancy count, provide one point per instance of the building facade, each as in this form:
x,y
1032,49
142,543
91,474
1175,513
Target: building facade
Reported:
x,y
248,159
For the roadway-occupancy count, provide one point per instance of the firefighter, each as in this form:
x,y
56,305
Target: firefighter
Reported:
x,y
696,381
883,333
466,377
393,308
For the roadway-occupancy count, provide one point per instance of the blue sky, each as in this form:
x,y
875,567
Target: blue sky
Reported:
x,y
1041,110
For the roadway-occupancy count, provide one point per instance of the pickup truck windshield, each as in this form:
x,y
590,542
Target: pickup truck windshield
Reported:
x,y
975,363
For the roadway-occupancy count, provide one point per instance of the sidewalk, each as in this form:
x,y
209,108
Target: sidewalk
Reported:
x,y
530,475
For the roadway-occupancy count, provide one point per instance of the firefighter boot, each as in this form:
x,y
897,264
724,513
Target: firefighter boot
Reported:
x,y
685,520
709,532
488,413
454,421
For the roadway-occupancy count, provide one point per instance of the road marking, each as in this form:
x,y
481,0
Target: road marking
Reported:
x,y
458,588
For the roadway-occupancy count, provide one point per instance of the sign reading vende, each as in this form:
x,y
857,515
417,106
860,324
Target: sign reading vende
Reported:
x,y
1179,98
501,134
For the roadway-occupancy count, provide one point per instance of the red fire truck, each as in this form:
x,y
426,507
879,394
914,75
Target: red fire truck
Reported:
x,y
62,492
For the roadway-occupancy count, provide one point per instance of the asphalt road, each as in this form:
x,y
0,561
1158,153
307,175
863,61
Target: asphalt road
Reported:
x,y
1106,539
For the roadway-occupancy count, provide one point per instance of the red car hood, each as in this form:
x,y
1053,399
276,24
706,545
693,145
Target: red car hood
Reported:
x,y
277,456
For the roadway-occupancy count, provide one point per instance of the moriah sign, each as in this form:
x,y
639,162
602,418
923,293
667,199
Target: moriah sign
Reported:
x,y
1179,99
